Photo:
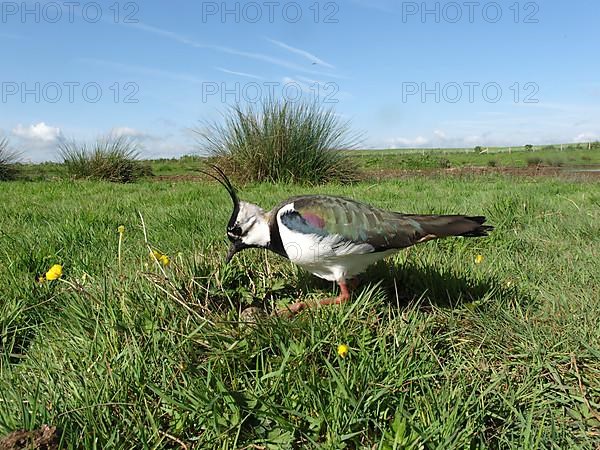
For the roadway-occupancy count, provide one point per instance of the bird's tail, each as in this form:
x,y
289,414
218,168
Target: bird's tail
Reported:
x,y
444,226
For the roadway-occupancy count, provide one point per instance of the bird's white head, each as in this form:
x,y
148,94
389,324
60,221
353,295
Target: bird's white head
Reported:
x,y
250,229
248,225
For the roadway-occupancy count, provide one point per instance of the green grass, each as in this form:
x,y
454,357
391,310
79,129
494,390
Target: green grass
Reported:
x,y
419,159
374,160
281,141
8,161
186,165
497,157
444,353
42,171
111,158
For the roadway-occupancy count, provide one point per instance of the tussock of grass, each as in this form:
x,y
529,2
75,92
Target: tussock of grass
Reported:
x,y
8,161
444,352
282,142
112,158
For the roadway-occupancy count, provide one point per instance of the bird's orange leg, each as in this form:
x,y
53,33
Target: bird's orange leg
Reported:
x,y
342,298
295,308
291,310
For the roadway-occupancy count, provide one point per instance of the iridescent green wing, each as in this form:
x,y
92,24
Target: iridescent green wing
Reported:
x,y
353,221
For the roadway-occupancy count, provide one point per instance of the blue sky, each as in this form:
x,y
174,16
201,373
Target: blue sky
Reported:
x,y
406,74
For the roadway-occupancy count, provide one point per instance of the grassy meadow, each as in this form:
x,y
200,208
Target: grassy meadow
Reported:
x,y
446,349
444,159
572,155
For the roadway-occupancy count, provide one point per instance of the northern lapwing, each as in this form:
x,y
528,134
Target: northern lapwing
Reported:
x,y
335,238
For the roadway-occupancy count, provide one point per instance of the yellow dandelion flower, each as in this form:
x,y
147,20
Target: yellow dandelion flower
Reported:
x,y
121,229
54,273
343,350
478,259
163,259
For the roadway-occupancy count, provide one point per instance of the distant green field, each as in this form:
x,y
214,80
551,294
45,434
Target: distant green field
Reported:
x,y
399,159
418,159
444,352
424,159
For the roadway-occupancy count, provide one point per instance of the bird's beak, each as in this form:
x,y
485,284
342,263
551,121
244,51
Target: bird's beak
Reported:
x,y
233,249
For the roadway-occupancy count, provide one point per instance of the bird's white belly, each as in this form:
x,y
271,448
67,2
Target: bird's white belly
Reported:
x,y
329,257
344,267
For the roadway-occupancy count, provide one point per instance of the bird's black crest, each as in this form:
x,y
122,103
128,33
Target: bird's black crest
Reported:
x,y
224,181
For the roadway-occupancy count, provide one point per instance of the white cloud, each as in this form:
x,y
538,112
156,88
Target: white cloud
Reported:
x,y
586,137
240,74
298,51
473,140
128,132
418,141
303,86
440,134
438,139
38,132
482,137
157,146
228,50
37,142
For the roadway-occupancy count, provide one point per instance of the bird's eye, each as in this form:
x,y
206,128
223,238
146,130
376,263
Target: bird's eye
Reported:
x,y
235,231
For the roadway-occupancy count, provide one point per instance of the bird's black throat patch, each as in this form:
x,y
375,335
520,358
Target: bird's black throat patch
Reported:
x,y
275,243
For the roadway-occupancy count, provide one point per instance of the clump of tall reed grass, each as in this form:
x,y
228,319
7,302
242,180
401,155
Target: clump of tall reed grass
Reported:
x,y
8,161
282,141
110,158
